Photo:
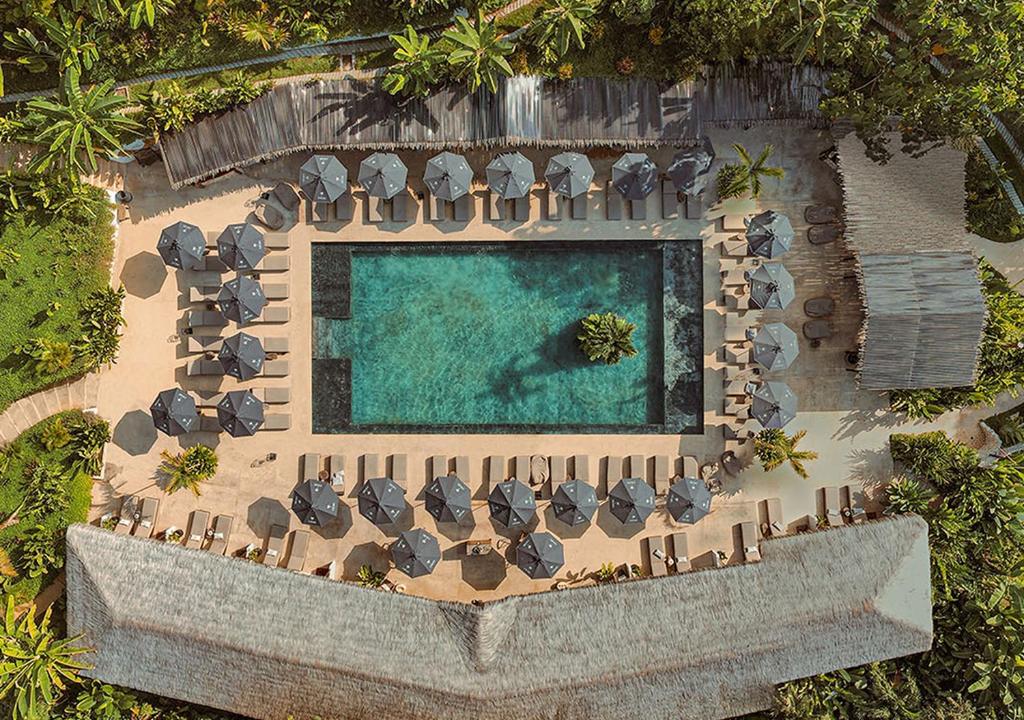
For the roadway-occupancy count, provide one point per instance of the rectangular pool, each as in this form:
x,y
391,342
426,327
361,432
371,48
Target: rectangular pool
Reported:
x,y
474,337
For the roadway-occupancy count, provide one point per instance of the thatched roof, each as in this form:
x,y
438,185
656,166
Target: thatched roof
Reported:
x,y
354,113
269,643
924,312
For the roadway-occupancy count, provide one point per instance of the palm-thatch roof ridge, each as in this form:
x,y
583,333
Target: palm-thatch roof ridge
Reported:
x,y
355,113
237,636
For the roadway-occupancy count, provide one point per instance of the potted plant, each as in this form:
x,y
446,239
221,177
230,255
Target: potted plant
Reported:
x,y
253,552
109,521
173,535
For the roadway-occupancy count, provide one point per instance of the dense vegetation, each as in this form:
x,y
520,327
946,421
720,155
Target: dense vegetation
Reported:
x,y
989,212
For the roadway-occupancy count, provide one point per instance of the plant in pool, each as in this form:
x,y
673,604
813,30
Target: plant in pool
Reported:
x,y
774,447
189,468
735,179
606,338
369,578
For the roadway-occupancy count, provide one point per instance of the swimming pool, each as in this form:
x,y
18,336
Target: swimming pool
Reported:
x,y
481,337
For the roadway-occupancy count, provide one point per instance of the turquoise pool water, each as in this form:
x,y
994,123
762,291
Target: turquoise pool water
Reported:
x,y
470,335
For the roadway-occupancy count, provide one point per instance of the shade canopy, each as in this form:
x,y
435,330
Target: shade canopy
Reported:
x,y
569,174
242,356
634,175
631,500
775,346
241,246
448,500
383,175
690,168
512,504
182,246
773,405
174,412
688,500
574,502
540,555
381,500
323,178
416,552
315,503
769,234
240,413
448,176
511,175
241,299
771,287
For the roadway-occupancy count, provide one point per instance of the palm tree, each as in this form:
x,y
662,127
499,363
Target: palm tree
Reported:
x,y
50,356
733,180
816,19
79,124
479,54
188,469
561,25
416,61
37,665
606,337
774,447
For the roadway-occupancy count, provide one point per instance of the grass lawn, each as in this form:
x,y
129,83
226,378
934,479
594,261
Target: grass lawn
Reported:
x,y
21,457
989,212
61,261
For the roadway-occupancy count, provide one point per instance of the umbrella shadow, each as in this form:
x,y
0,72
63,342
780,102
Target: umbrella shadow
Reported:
x,y
613,527
265,512
338,527
143,274
454,531
368,553
560,529
483,572
135,433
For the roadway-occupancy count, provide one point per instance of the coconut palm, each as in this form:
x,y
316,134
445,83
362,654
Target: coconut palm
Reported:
x,y
78,126
416,62
606,337
479,54
188,469
734,180
774,447
563,24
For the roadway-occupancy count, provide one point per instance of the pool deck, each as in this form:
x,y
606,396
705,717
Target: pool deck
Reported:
x,y
849,428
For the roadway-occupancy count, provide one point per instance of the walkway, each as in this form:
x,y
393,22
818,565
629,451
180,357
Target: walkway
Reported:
x,y
20,416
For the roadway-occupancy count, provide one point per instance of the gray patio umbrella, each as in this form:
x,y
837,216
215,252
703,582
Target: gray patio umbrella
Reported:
x,y
381,501
323,178
242,356
174,412
182,246
634,175
512,504
631,500
769,234
773,404
688,500
569,174
315,503
241,299
241,246
690,168
511,175
775,346
383,175
448,176
416,552
540,555
240,413
448,500
771,287
574,502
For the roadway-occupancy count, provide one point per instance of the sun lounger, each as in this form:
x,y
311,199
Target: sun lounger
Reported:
x,y
212,263
638,209
579,207
655,547
203,279
497,207
553,204
274,263
521,208
817,330
661,475
637,467
277,421
695,207
736,248
558,471
690,467
322,211
147,518
374,210
820,214
737,355
819,307
669,200
823,234
310,467
612,202
275,368
614,472
738,303
286,195
297,547
680,552
735,277
735,372
748,535
521,468
195,535
267,396
400,470
398,207
732,222
853,509
496,470
581,467
205,318
221,534
371,466
343,207
276,241
433,208
774,525
736,328
203,294
438,466
274,545
735,407
269,216
833,512
462,208
336,470
737,388
462,468
274,314
128,516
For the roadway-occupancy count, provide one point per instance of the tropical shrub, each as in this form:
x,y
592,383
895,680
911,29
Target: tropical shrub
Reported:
x,y
417,63
908,495
734,179
606,338
101,324
625,65
479,52
46,491
41,550
89,434
633,12
188,469
173,108
49,357
774,447
369,578
99,701
562,24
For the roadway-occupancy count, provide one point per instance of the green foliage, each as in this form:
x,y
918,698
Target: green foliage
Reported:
x,y
1000,357
40,552
417,63
989,212
734,180
38,664
479,52
633,12
605,573
908,495
562,24
826,29
606,338
189,468
172,108
46,490
774,447
101,323
369,578
49,357
89,434
99,701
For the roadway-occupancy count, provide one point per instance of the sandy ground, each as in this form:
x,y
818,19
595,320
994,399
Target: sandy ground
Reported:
x,y
847,427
